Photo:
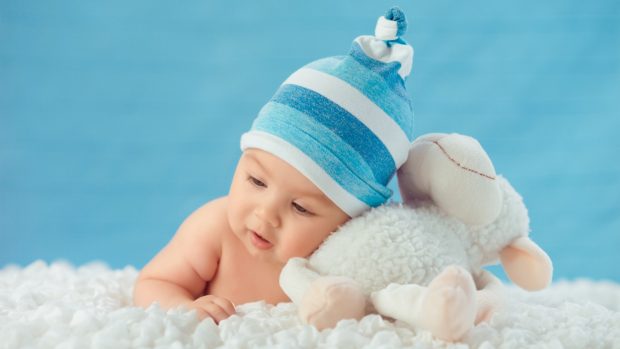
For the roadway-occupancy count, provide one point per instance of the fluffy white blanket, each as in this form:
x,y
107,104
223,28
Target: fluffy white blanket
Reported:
x,y
59,306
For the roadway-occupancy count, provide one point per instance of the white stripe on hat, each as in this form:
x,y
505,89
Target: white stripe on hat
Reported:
x,y
350,204
356,103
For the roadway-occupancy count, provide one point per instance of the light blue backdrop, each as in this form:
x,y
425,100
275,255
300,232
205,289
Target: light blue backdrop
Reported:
x,y
118,118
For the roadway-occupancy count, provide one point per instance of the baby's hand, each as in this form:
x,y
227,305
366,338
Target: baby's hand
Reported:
x,y
214,307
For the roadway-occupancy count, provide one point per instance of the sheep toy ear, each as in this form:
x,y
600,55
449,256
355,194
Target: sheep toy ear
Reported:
x,y
526,264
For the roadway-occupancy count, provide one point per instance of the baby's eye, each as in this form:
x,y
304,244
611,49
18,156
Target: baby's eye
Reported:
x,y
257,182
301,209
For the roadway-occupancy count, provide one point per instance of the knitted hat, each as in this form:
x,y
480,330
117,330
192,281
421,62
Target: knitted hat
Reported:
x,y
345,122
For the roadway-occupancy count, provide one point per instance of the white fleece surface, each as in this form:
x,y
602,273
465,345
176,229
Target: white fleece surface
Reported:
x,y
61,306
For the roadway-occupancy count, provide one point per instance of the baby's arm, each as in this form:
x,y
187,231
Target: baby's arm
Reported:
x,y
178,274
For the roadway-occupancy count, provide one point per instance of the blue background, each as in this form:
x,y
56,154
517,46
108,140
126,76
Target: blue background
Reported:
x,y
118,118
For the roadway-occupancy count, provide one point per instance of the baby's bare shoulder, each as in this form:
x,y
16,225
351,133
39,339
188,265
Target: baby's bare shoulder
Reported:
x,y
191,257
209,222
196,247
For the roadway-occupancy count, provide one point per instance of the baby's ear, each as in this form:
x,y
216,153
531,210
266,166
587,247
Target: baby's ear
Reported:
x,y
526,264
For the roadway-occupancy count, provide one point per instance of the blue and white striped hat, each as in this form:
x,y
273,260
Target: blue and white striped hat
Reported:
x,y
345,122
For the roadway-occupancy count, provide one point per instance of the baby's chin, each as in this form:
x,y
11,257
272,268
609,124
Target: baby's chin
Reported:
x,y
270,256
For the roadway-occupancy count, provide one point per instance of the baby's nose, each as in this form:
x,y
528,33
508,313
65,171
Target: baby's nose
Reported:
x,y
268,214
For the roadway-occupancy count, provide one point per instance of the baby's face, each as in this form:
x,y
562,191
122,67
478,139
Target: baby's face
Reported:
x,y
276,211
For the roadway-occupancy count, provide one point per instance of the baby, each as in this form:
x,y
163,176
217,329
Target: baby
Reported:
x,y
321,151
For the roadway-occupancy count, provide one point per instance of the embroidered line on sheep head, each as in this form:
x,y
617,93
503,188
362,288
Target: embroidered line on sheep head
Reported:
x,y
461,165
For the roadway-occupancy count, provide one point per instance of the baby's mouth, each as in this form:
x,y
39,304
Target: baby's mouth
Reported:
x,y
259,241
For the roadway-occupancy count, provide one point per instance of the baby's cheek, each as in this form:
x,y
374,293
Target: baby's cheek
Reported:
x,y
300,247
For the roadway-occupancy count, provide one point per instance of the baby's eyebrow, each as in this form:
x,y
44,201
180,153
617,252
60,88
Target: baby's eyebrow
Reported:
x,y
319,196
255,160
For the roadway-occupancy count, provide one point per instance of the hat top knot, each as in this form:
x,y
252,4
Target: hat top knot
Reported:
x,y
391,26
397,15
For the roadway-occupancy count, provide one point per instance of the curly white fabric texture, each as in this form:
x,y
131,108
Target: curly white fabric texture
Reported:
x,y
61,306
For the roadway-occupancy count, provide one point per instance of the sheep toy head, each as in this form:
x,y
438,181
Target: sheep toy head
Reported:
x,y
456,213
453,174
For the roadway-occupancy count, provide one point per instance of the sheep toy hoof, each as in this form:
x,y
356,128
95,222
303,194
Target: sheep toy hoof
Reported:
x,y
330,299
450,304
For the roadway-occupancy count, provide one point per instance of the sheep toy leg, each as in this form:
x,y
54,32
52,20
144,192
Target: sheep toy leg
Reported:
x,y
489,297
322,300
446,307
456,173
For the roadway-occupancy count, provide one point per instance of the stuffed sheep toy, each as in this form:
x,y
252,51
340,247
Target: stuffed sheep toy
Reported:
x,y
421,262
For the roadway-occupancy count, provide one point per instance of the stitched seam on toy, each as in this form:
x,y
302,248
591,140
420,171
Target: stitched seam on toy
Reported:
x,y
460,165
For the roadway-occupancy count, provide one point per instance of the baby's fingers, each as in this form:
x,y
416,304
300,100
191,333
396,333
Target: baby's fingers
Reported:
x,y
216,313
216,308
225,305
